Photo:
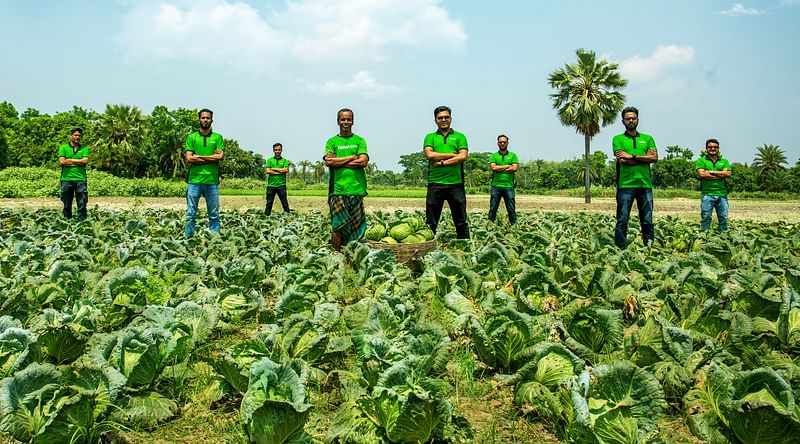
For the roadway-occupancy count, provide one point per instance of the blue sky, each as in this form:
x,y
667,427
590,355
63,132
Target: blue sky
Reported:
x,y
278,70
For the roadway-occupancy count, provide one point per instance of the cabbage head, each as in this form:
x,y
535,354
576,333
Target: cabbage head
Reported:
x,y
622,406
274,408
400,231
762,408
376,232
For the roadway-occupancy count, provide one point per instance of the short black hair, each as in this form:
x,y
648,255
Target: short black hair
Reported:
x,y
345,110
205,110
78,129
277,144
502,135
441,109
630,109
712,140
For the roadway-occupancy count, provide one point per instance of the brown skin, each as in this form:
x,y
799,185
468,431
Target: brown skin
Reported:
x,y
345,122
277,150
74,141
205,129
502,144
712,153
443,120
631,122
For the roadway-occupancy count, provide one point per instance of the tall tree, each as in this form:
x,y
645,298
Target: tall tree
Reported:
x,y
769,158
167,137
587,95
120,135
304,166
319,170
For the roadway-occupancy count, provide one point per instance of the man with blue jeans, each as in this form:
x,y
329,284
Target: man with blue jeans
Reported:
x,y
713,169
634,152
503,164
204,150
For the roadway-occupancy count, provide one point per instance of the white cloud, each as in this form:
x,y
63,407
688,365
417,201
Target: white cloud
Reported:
x,y
738,10
333,29
234,34
655,66
362,82
210,34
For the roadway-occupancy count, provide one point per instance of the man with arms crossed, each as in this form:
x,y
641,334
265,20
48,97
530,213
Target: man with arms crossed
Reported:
x,y
446,151
73,158
634,152
503,164
346,156
204,150
276,169
713,169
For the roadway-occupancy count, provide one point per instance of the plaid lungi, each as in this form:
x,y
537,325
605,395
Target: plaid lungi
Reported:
x,y
347,216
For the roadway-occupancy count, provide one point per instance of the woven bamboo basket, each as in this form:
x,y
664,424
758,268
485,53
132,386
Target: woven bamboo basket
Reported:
x,y
409,255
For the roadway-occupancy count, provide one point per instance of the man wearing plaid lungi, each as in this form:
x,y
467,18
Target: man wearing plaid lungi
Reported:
x,y
346,156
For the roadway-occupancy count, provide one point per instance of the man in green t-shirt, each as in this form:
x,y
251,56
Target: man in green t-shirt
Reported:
x,y
634,152
503,164
713,169
346,156
276,168
446,151
203,152
73,157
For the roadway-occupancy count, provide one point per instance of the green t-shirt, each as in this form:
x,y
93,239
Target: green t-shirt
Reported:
x,y
73,173
452,142
347,181
633,176
503,180
276,180
200,145
713,187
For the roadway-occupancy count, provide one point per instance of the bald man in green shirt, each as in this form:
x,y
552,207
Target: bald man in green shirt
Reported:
x,y
346,156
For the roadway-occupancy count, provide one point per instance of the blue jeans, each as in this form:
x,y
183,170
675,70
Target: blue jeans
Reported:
x,y
211,194
78,191
718,203
507,194
644,202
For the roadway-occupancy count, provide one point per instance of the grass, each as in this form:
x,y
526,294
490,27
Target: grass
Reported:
x,y
401,194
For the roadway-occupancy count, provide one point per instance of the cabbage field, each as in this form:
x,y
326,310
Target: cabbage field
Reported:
x,y
120,330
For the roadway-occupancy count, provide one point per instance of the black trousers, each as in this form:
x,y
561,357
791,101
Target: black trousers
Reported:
x,y
281,192
74,190
456,199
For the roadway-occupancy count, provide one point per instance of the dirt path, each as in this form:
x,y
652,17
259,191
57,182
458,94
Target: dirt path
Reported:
x,y
761,210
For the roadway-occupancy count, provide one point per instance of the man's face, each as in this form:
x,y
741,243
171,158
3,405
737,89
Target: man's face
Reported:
x,y
205,120
75,137
277,150
443,120
630,120
712,148
502,143
345,121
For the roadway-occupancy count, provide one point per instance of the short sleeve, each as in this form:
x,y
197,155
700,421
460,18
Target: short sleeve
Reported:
x,y
616,145
362,147
428,140
463,145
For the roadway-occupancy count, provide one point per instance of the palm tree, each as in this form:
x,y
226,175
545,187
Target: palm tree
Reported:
x,y
587,93
120,133
319,170
304,165
768,158
593,175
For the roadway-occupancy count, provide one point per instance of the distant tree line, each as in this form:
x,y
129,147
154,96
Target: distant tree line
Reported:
x,y
128,143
